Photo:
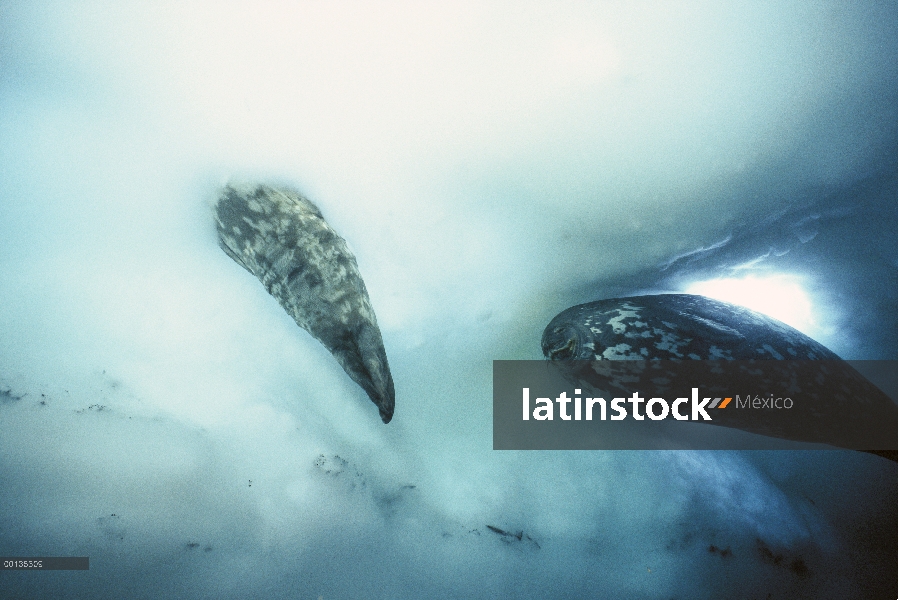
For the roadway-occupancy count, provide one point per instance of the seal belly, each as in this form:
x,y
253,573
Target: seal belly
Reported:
x,y
282,239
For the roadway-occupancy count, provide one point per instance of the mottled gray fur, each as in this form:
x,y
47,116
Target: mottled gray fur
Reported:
x,y
281,238
672,328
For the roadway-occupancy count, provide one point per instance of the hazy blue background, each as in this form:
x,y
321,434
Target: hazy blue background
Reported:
x,y
490,164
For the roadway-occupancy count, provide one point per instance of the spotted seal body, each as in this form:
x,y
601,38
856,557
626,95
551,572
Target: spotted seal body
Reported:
x,y
658,336
282,239
673,326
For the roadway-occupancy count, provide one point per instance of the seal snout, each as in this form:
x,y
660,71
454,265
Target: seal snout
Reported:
x,y
385,401
386,404
565,351
370,370
562,342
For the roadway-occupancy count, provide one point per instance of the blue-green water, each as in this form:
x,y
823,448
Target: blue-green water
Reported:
x,y
490,164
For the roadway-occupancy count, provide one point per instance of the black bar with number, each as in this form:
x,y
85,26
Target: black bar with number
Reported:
x,y
44,563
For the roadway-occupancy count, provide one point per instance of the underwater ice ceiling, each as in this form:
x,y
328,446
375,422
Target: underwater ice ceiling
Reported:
x,y
489,164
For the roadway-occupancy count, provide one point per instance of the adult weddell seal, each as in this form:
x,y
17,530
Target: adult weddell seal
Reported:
x,y
280,237
658,338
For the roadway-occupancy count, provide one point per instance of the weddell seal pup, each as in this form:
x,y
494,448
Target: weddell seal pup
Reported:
x,y
281,238
658,336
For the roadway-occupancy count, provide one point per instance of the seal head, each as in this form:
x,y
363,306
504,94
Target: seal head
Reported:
x,y
283,240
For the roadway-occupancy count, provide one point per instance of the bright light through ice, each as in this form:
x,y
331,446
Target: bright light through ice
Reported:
x,y
777,296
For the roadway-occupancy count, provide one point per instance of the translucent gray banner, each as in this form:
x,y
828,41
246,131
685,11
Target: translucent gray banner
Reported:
x,y
695,404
